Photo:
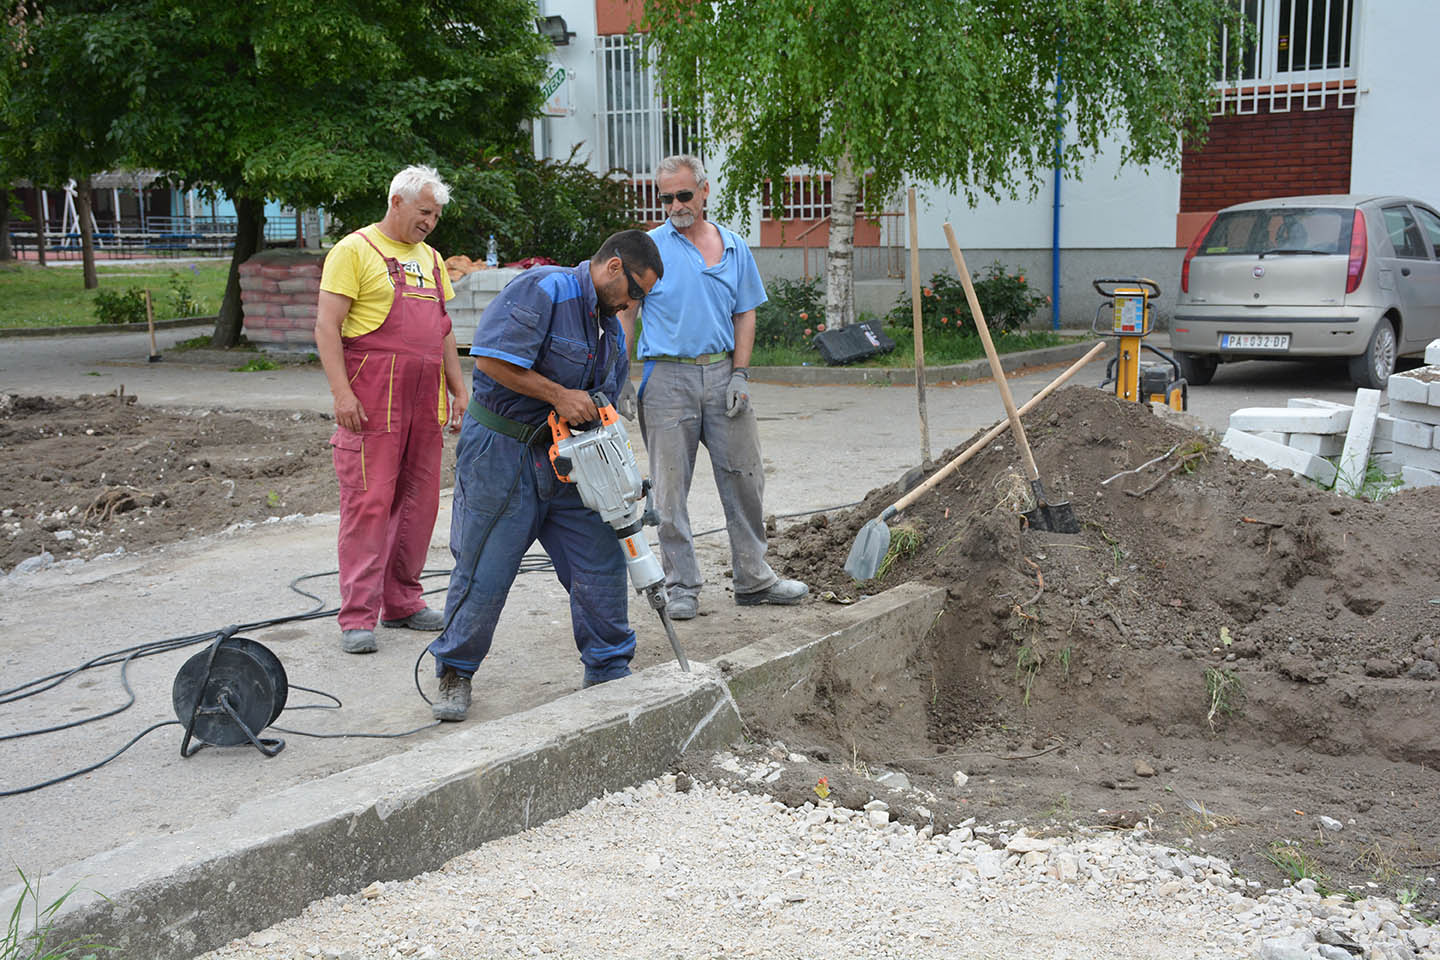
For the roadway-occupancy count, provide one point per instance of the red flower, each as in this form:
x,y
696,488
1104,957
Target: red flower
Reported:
x,y
928,292
944,319
804,315
807,331
820,327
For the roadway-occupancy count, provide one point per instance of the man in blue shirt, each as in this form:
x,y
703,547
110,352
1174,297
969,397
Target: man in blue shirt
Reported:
x,y
547,342
698,328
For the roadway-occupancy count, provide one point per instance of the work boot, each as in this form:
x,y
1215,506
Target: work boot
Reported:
x,y
682,607
595,677
358,641
423,619
784,592
454,700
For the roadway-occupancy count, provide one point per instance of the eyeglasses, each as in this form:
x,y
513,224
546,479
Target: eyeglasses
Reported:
x,y
637,292
684,196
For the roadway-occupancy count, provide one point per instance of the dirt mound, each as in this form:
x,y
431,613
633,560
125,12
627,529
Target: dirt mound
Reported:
x,y
1247,642
85,476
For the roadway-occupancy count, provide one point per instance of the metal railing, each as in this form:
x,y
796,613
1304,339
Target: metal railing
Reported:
x,y
1301,50
158,237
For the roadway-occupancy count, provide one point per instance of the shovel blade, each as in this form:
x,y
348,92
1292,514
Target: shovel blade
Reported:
x,y
868,551
1053,517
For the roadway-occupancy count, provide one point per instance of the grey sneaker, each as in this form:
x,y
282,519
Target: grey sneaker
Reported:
x,y
784,592
423,619
682,607
454,700
358,641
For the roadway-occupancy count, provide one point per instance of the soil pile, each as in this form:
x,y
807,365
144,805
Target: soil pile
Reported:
x,y
1223,649
85,476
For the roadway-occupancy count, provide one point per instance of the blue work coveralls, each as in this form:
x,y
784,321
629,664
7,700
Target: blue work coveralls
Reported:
x,y
506,493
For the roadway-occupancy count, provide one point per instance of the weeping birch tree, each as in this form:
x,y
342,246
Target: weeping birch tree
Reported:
x,y
949,92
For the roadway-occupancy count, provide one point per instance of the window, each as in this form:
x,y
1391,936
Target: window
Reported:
x,y
1279,230
1404,234
1299,50
1431,224
637,126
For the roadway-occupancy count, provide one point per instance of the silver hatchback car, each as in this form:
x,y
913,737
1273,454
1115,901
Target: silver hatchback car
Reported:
x,y
1324,276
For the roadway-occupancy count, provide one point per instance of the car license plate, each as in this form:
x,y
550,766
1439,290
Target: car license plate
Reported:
x,y
1254,341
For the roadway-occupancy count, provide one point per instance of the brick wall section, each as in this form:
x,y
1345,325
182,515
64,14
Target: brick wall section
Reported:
x,y
278,292
1266,154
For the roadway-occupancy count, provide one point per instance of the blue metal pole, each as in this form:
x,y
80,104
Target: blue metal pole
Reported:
x,y
1055,215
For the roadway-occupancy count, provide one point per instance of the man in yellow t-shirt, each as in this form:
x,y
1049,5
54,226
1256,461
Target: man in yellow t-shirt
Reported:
x,y
384,339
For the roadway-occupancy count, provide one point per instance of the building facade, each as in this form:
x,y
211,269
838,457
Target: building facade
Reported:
x,y
1329,99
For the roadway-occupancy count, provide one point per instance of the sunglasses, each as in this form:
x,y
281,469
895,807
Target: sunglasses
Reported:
x,y
637,292
684,196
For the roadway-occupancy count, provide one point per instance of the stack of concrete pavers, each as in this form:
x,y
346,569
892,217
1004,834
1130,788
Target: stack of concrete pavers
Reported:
x,y
1415,405
1333,443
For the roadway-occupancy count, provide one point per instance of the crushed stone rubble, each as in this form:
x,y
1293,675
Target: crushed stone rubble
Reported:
x,y
680,869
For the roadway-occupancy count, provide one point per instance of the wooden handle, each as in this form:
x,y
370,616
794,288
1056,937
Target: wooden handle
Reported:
x,y
996,430
150,321
919,330
995,369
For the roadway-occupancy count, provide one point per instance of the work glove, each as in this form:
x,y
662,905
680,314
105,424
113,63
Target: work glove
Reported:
x,y
628,403
737,395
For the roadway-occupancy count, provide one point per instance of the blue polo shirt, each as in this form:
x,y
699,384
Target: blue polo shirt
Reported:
x,y
691,310
545,320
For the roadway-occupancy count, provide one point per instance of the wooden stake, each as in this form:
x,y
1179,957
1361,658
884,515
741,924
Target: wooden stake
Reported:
x,y
919,332
150,322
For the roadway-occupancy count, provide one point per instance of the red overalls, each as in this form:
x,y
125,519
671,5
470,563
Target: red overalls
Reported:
x,y
390,473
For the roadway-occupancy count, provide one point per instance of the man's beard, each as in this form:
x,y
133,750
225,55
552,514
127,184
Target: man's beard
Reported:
x,y
604,307
683,220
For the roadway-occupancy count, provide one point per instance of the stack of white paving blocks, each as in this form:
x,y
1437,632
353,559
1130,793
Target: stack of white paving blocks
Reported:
x,y
1415,405
1332,443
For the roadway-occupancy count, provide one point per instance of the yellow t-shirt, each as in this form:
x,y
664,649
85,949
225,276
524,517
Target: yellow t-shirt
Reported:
x,y
353,269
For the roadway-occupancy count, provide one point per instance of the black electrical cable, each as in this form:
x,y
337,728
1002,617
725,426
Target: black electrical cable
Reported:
x,y
94,766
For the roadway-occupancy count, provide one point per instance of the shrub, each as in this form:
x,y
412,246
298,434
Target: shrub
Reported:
x,y
182,296
1006,299
792,315
127,306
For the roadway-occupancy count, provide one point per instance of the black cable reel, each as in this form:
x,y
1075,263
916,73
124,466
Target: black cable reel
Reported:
x,y
226,694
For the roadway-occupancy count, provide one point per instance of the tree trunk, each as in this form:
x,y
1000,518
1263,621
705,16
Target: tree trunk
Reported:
x,y
840,264
7,252
249,240
87,232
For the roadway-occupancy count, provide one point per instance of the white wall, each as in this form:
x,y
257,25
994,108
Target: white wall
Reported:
x,y
1397,126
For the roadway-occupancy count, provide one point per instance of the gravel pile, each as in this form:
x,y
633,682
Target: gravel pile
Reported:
x,y
675,869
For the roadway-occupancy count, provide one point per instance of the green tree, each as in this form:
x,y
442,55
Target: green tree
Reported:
x,y
959,93
310,102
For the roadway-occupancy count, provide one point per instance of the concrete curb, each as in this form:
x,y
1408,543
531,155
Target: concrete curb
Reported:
x,y
170,898
902,376
104,328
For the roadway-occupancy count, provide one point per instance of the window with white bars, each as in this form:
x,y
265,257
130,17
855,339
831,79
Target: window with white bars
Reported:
x,y
638,127
1300,52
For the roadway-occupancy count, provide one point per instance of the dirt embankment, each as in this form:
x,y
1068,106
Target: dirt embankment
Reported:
x,y
86,476
1223,649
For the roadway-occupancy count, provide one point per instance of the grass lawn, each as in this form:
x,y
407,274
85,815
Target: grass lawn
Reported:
x,y
939,350
33,296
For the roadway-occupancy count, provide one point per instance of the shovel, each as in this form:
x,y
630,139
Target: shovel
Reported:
x,y
1057,517
873,541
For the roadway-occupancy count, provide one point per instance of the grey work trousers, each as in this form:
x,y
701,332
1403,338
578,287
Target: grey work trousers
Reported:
x,y
682,405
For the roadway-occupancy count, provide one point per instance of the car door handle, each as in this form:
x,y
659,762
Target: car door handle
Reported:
x,y
1404,271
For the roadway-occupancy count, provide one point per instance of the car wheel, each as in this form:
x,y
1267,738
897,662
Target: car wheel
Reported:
x,y
1373,367
1196,368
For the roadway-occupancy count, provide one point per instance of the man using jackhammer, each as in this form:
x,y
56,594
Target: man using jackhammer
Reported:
x,y
698,329
547,342
384,340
